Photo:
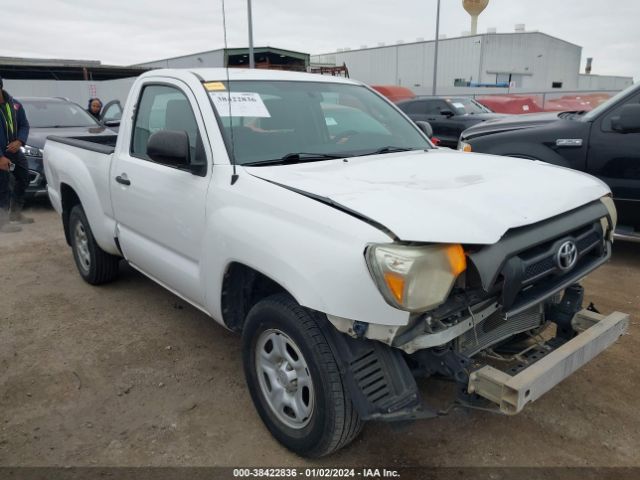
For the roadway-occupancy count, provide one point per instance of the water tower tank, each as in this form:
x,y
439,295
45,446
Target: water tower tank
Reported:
x,y
474,8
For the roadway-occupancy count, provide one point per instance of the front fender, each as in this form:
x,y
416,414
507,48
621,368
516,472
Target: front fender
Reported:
x,y
312,250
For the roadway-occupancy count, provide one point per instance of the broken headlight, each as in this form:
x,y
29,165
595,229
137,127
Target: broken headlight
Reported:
x,y
415,278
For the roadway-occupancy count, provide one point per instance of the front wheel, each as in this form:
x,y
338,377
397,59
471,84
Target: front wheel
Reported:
x,y
294,380
94,264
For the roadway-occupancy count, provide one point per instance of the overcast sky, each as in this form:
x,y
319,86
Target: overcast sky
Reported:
x,y
124,32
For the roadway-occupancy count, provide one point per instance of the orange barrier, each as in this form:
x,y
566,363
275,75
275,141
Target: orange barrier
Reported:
x,y
513,104
394,93
544,102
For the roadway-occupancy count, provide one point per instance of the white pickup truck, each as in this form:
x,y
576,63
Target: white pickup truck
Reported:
x,y
311,215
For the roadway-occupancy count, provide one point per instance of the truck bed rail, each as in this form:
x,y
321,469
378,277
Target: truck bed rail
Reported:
x,y
99,143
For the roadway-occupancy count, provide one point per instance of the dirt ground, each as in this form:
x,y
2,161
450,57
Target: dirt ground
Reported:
x,y
129,375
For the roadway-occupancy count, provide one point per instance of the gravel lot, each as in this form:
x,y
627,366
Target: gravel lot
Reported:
x,y
129,375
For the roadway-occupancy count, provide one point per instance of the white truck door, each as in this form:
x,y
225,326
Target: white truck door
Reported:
x,y
159,208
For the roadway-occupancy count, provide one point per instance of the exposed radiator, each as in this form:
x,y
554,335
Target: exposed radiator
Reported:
x,y
495,328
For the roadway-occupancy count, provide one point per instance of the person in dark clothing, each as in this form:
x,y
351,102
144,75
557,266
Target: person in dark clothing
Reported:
x,y
14,130
95,107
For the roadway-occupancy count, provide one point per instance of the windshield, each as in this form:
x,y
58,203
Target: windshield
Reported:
x,y
605,106
43,114
465,105
269,120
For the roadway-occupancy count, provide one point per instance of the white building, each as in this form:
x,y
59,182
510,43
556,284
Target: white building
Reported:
x,y
521,61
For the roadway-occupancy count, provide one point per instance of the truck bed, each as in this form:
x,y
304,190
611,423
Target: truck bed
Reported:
x,y
83,164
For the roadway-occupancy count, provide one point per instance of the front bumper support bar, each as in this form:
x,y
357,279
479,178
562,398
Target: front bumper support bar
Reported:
x,y
512,393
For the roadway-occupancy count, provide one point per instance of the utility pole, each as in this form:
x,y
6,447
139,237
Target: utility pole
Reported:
x,y
252,62
435,56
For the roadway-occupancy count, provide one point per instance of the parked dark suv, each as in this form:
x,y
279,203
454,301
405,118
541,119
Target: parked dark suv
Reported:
x,y
52,116
448,116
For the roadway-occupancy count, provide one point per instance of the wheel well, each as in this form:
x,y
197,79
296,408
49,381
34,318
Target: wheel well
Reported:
x,y
69,200
242,288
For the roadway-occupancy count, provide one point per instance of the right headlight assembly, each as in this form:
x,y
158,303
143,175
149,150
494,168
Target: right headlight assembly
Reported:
x,y
415,278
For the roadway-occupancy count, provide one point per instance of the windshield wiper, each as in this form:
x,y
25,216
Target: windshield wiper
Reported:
x,y
67,126
388,149
297,157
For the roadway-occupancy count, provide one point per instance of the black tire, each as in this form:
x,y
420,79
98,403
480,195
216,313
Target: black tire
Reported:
x,y
334,422
94,264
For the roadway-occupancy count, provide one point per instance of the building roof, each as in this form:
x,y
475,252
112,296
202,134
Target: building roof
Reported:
x,y
234,51
445,40
59,62
63,69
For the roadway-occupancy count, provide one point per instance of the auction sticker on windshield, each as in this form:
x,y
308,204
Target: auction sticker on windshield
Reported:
x,y
239,104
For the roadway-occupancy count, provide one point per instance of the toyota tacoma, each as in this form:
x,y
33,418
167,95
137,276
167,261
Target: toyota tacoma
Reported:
x,y
352,255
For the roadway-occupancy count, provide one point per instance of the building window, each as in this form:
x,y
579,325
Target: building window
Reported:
x,y
556,85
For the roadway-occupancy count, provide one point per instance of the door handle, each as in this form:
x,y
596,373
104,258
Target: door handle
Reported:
x,y
123,179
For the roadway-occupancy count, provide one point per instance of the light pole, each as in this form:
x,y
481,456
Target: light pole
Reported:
x,y
252,62
435,55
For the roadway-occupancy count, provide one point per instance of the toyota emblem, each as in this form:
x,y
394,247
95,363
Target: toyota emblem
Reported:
x,y
567,255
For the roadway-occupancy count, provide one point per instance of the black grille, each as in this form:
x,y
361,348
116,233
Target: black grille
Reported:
x,y
588,241
539,268
541,261
521,268
536,267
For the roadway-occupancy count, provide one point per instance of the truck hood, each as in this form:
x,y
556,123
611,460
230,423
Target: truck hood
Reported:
x,y
510,122
442,195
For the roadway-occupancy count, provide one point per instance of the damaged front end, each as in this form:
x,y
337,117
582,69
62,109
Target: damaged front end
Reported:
x,y
512,327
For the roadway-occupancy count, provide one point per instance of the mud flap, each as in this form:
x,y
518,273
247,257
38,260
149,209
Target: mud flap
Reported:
x,y
378,378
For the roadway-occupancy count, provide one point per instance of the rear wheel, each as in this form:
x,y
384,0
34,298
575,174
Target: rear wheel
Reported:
x,y
94,264
294,380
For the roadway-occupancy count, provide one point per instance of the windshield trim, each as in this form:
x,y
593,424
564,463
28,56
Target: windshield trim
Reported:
x,y
603,108
482,109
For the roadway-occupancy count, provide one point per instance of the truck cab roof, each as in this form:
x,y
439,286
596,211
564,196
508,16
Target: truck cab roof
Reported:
x,y
221,74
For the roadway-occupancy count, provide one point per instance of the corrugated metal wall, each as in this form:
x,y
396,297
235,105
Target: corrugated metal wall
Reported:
x,y
533,60
540,60
603,82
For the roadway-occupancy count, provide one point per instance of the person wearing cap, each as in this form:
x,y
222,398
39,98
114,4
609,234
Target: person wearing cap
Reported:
x,y
14,130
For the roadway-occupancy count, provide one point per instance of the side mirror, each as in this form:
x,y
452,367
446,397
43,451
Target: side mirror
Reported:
x,y
446,113
629,119
425,127
170,147
111,123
